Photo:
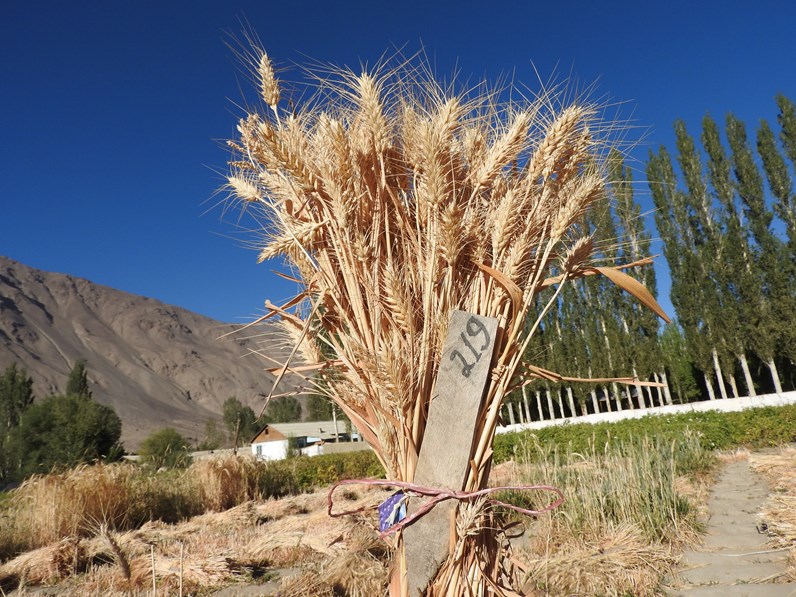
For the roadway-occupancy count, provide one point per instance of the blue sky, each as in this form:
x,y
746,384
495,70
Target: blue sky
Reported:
x,y
113,113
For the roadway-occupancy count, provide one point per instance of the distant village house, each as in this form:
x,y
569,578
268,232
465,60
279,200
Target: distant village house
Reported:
x,y
311,438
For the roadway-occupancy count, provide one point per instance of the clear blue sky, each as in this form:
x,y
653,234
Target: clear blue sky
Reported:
x,y
112,113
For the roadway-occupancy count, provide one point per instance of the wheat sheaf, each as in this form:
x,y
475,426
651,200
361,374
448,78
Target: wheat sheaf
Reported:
x,y
397,201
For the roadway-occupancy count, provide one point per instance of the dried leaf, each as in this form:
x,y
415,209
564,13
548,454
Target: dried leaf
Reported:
x,y
540,373
634,287
507,284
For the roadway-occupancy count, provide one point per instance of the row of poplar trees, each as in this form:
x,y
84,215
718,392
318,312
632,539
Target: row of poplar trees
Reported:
x,y
726,215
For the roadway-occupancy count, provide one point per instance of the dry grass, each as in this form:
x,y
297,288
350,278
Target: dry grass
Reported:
x,y
736,455
397,202
629,512
119,497
72,504
226,482
779,512
621,563
600,542
217,548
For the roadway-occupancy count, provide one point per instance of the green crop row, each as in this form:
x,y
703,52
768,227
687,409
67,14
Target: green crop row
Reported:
x,y
754,428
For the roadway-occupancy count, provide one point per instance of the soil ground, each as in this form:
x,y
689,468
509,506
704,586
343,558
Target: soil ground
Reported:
x,y
736,559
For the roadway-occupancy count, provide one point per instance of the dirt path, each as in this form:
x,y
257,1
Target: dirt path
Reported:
x,y
735,560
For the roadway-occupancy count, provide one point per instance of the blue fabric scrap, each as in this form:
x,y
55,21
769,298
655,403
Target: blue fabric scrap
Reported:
x,y
392,510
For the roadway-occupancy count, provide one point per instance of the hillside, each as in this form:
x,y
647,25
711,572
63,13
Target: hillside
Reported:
x,y
156,364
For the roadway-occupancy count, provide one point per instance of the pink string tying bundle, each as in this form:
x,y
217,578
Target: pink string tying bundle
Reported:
x,y
439,494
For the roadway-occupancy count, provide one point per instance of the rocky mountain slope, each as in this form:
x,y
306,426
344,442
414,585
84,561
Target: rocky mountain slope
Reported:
x,y
157,365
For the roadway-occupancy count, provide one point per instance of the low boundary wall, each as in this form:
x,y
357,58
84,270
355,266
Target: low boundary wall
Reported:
x,y
728,405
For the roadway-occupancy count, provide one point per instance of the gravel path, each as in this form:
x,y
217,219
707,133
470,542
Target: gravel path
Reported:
x,y
735,560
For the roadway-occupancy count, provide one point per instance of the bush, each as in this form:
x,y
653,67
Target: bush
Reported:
x,y
304,473
165,448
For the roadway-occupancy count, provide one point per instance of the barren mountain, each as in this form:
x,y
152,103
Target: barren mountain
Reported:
x,y
157,365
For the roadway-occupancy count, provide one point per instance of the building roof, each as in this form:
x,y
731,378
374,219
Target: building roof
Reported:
x,y
320,429
268,434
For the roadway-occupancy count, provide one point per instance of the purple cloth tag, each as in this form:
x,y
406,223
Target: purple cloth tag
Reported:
x,y
392,510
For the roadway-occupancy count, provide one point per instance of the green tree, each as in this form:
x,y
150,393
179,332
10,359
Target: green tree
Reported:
x,y
639,323
784,269
77,383
607,355
319,408
282,410
63,431
240,420
16,394
213,436
705,247
775,310
779,181
165,448
675,356
704,234
732,269
787,123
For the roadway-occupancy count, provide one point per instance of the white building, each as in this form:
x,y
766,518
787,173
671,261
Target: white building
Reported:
x,y
269,444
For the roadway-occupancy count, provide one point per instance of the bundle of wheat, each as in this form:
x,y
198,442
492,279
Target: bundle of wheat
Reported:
x,y
45,564
398,202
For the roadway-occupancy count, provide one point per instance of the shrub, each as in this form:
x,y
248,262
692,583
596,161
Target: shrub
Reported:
x,y
165,448
303,473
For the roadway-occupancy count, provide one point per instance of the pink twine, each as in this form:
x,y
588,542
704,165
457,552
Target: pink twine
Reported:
x,y
437,495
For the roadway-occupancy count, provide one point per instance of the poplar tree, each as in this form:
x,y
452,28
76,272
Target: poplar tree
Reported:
x,y
77,383
772,312
732,269
787,123
16,394
787,135
642,324
680,249
779,181
605,299
781,186
705,234
675,355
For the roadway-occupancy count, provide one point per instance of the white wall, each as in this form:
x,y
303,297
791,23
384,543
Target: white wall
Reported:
x,y
729,405
313,450
273,450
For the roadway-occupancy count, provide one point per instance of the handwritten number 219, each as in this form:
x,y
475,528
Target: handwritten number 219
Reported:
x,y
474,329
